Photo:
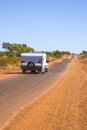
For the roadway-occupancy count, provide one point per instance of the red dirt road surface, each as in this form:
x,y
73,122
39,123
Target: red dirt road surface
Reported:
x,y
62,108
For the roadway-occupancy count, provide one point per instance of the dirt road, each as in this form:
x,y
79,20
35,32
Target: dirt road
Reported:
x,y
62,108
18,91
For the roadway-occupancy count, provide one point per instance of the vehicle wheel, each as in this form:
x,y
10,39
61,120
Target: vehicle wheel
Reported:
x,y
42,71
46,69
31,65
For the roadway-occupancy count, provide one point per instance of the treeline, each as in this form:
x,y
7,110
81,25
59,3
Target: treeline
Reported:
x,y
57,54
83,54
12,51
15,49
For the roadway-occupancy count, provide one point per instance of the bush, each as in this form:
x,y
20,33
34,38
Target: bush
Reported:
x,y
3,62
2,53
13,60
83,56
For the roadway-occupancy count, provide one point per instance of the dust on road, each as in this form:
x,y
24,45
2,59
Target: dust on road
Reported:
x,y
62,108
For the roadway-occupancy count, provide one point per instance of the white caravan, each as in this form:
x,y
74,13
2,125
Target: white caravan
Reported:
x,y
34,62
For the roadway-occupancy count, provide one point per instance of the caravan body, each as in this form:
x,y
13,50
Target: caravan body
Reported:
x,y
33,62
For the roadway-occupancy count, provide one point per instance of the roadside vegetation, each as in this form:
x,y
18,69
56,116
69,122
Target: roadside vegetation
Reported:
x,y
57,54
10,57
51,56
9,62
83,56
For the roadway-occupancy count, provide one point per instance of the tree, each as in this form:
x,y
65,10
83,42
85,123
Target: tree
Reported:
x,y
57,53
16,49
84,52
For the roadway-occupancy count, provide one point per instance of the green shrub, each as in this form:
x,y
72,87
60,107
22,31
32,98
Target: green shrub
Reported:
x,y
14,61
83,56
3,62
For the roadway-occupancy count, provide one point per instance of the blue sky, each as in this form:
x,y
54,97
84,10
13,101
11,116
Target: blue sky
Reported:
x,y
45,24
